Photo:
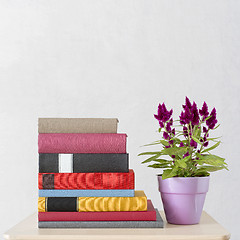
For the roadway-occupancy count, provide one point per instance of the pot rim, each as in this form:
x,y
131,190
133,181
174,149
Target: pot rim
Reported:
x,y
182,177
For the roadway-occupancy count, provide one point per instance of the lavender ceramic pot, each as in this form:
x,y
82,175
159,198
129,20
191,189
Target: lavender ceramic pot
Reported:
x,y
183,198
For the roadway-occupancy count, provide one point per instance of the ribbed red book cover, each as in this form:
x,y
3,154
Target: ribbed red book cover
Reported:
x,y
149,215
86,180
81,143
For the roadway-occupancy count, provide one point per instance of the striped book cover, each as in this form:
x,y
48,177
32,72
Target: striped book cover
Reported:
x,y
83,162
93,204
86,180
149,215
82,143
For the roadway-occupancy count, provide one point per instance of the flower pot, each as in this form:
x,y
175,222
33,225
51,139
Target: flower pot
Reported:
x,y
183,198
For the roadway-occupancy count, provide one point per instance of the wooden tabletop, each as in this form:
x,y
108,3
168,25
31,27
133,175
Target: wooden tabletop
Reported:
x,y
208,228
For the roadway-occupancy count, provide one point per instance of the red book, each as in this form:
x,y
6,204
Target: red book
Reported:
x,y
86,180
82,143
149,215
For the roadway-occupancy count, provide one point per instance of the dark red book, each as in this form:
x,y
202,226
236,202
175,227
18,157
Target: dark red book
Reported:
x,y
68,181
149,215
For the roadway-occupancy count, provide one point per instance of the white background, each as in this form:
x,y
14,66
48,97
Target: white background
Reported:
x,y
116,58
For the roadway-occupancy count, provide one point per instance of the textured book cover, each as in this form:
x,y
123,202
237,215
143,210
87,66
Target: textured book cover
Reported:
x,y
82,143
83,162
149,215
89,181
104,224
87,193
93,204
77,125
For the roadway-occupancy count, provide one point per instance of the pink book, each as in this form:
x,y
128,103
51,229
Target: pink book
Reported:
x,y
149,215
82,143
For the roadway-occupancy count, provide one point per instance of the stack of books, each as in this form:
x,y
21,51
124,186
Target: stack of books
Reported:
x,y
84,177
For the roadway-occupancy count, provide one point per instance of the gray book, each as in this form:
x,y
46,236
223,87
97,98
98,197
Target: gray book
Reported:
x,y
105,224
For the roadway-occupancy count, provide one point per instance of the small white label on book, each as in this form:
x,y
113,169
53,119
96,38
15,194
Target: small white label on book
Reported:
x,y
65,163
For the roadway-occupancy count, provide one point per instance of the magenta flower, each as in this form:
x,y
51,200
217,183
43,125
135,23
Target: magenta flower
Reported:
x,y
195,117
193,143
186,154
181,144
204,111
165,135
211,122
163,114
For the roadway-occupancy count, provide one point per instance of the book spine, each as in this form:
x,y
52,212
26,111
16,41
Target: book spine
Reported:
x,y
87,193
92,204
86,180
83,163
81,143
77,125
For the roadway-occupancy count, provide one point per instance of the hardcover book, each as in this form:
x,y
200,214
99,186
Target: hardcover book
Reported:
x,y
93,204
149,215
82,143
77,125
106,180
104,224
83,162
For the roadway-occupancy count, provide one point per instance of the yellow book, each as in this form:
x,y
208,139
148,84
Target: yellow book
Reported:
x,y
93,204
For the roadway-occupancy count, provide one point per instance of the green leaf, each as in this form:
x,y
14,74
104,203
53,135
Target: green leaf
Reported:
x,y
216,126
174,151
148,153
154,143
151,158
169,173
208,118
211,148
211,160
162,161
181,163
159,130
213,139
165,143
210,168
158,165
196,140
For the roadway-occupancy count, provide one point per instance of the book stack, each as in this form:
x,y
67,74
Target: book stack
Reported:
x,y
84,177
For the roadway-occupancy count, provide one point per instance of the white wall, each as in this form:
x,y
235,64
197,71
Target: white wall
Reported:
x,y
116,58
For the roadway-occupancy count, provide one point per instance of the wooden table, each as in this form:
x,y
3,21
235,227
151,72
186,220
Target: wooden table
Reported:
x,y
208,228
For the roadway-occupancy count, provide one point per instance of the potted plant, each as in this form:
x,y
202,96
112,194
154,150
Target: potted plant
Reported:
x,y
186,160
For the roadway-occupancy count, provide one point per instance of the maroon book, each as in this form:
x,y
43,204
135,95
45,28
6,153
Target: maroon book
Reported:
x,y
149,215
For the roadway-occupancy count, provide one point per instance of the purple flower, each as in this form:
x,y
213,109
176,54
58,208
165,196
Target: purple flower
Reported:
x,y
173,131
168,127
170,142
193,143
195,118
182,118
181,144
165,135
187,103
163,114
173,156
204,111
205,129
211,122
185,131
186,154
161,124
205,144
